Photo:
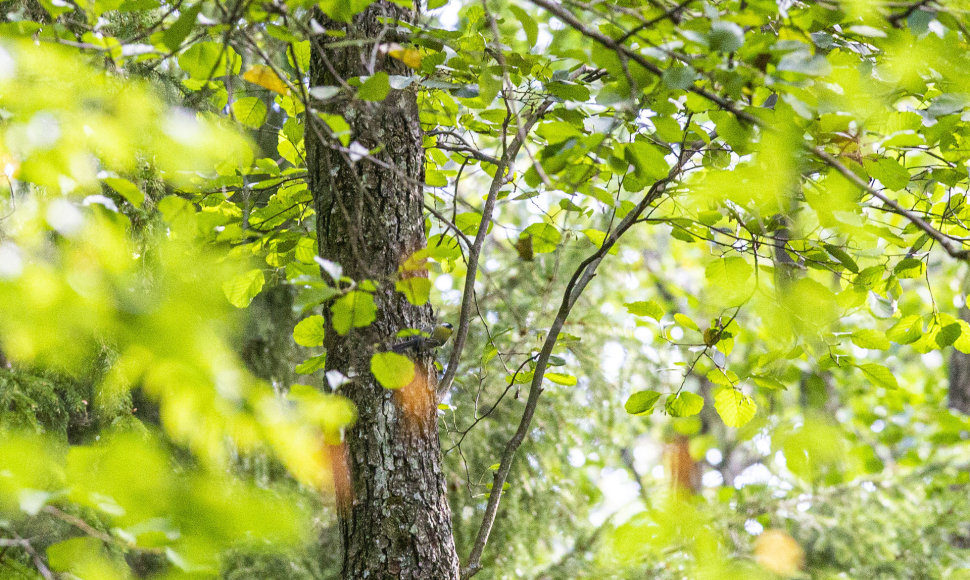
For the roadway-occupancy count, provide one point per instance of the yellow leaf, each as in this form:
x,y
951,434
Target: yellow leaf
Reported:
x,y
778,552
264,76
408,56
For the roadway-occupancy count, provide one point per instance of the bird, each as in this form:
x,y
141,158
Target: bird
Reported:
x,y
426,341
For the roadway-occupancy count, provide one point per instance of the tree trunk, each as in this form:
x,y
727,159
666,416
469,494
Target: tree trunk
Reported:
x,y
394,516
959,391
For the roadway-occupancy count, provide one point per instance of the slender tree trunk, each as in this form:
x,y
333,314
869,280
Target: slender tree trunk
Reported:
x,y
394,516
959,391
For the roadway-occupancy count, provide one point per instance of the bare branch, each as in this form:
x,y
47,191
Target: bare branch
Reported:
x,y
577,283
451,225
502,175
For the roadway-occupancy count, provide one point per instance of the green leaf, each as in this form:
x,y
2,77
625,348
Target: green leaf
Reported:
x,y
723,378
879,376
734,407
948,335
725,36
910,268
561,379
648,160
962,343
353,310
768,383
177,32
343,10
889,172
241,290
568,91
728,279
392,370
468,222
250,111
686,321
684,404
558,131
528,24
312,364
645,308
309,331
598,237
86,551
207,60
488,87
126,189
843,258
804,62
908,330
416,289
868,338
545,237
55,9
338,125
679,77
641,402
375,88
670,131
732,131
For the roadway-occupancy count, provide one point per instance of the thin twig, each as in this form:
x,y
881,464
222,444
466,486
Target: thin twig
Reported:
x,y
947,244
572,21
502,175
580,278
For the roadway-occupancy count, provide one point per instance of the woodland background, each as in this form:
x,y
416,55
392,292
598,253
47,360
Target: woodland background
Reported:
x,y
706,261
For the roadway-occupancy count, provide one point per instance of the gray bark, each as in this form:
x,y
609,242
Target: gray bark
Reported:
x,y
395,521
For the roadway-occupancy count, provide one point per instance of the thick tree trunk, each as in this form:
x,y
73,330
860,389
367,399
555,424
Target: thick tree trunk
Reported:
x,y
394,516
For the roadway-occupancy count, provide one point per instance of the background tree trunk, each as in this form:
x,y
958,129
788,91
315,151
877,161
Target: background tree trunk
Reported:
x,y
959,391
394,516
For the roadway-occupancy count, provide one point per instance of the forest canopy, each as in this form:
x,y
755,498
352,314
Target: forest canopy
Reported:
x,y
703,265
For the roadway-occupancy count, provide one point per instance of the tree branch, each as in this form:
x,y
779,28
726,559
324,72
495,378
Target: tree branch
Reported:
x,y
946,243
568,18
502,174
577,283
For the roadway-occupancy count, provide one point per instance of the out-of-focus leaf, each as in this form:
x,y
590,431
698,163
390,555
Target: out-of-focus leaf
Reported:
x,y
734,407
561,379
417,289
392,370
375,88
265,77
545,237
879,375
645,308
868,338
684,404
641,402
241,290
353,310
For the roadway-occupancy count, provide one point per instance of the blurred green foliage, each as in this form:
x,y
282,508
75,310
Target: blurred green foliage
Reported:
x,y
164,412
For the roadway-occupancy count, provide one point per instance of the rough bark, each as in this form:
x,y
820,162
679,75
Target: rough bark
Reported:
x,y
394,517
